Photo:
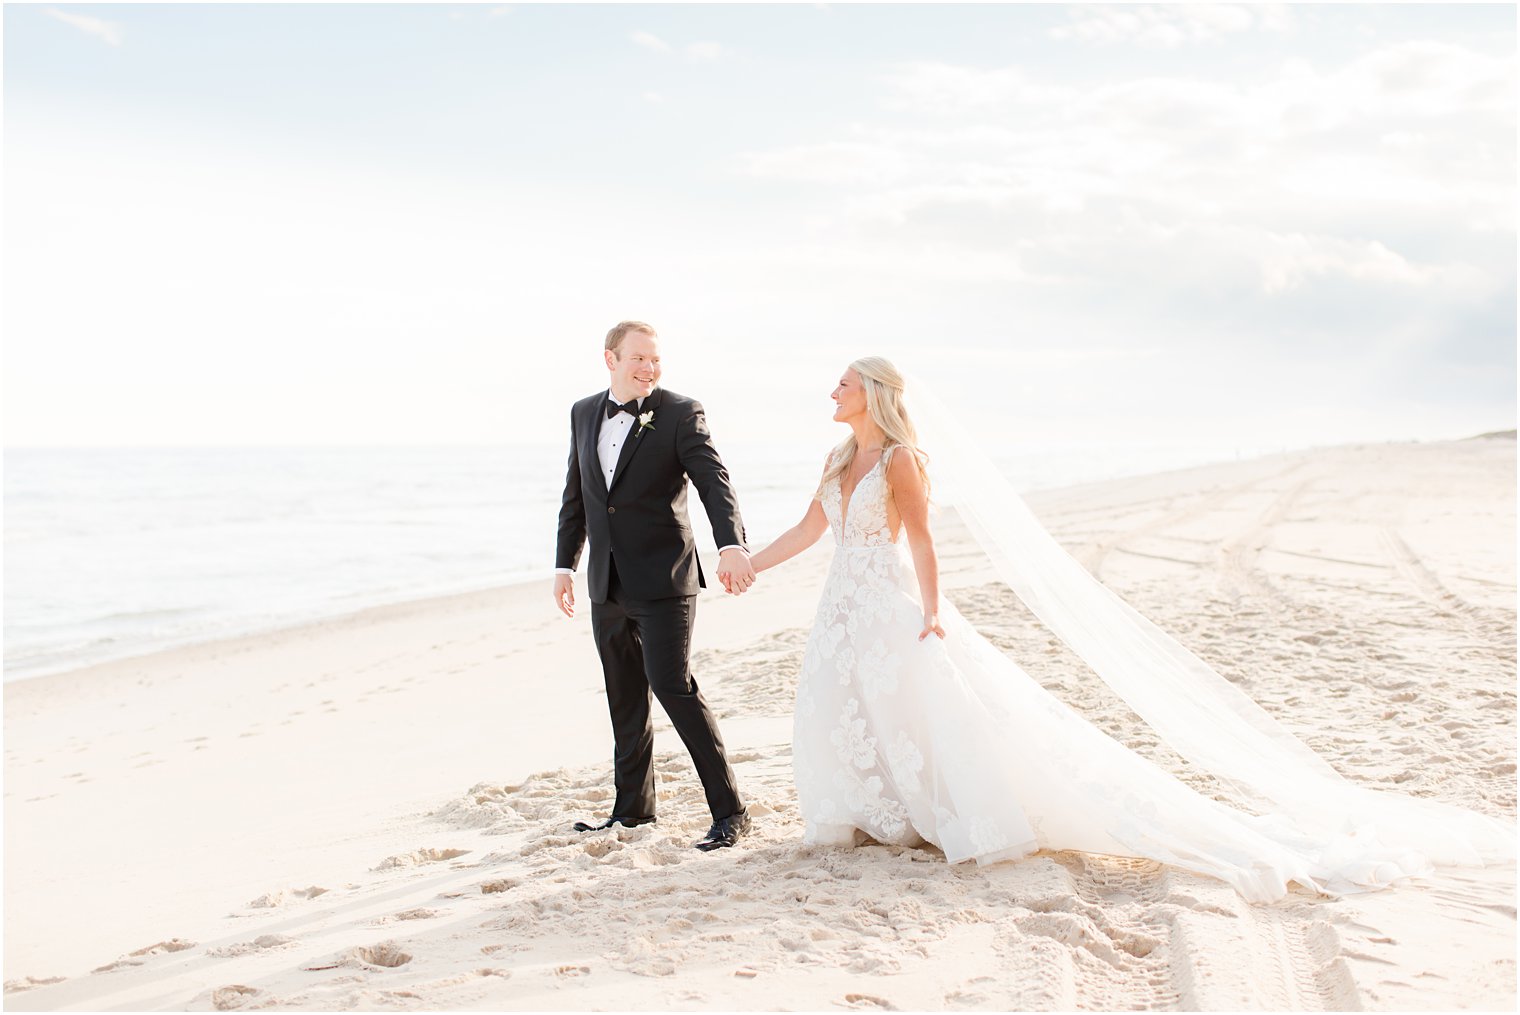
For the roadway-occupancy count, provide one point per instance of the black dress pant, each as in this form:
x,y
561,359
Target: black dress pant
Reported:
x,y
645,645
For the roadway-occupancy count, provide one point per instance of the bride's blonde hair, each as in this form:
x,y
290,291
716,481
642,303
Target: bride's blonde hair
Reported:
x,y
884,390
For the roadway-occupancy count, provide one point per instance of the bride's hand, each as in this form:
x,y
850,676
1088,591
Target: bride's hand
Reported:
x,y
931,624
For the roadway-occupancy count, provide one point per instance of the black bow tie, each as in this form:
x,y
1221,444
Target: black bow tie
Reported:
x,y
631,407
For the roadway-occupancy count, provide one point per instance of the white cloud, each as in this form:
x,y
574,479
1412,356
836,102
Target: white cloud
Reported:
x,y
1424,78
1370,199
893,264
476,12
108,32
649,41
834,162
1171,25
702,52
1420,78
1365,134
1288,260
1404,139
938,87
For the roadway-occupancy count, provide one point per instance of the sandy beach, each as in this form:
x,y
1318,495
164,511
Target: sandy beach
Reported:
x,y
374,812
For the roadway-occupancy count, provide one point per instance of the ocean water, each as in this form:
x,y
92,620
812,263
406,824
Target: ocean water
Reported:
x,y
116,552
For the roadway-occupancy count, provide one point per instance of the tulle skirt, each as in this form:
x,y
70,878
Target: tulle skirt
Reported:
x,y
950,742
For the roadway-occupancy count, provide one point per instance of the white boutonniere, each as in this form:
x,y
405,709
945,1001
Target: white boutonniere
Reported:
x,y
646,422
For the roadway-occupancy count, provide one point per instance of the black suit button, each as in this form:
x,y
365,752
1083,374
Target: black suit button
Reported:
x,y
611,510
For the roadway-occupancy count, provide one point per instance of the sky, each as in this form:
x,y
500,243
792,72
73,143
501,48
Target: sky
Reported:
x,y
1251,226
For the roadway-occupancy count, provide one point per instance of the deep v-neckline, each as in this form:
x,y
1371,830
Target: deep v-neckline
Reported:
x,y
844,505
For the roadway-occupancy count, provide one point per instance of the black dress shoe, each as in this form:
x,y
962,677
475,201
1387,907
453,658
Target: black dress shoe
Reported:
x,y
725,831
581,826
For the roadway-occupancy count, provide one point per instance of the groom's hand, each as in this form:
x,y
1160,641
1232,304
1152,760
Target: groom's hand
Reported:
x,y
564,594
735,571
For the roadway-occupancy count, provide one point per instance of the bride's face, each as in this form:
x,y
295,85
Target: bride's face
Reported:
x,y
849,397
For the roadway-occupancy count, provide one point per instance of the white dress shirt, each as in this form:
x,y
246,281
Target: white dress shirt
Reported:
x,y
609,441
614,432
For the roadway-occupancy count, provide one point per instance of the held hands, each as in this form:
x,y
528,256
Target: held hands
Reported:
x,y
931,623
564,594
735,571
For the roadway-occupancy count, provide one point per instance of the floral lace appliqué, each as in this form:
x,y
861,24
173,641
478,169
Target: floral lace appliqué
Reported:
x,y
854,746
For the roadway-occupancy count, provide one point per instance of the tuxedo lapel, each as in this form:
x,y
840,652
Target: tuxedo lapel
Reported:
x,y
592,436
631,445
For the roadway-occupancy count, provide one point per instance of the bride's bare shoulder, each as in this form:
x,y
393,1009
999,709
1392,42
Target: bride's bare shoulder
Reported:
x,y
905,470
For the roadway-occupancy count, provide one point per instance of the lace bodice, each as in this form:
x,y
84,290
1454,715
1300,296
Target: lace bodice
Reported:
x,y
863,521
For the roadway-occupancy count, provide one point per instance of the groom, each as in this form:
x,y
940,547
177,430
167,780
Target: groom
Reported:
x,y
632,449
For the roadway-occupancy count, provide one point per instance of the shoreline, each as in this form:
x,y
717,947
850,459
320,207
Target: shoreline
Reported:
x,y
401,776
235,632
294,625
291,626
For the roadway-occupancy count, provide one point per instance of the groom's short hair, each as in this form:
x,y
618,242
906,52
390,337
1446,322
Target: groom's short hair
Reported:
x,y
620,331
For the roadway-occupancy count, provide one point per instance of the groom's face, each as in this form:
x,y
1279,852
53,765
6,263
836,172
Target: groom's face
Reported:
x,y
635,366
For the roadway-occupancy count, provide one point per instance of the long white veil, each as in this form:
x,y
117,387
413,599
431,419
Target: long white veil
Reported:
x,y
1199,713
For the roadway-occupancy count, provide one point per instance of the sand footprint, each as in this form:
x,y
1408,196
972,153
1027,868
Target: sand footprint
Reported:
x,y
868,1002
232,996
418,857
278,897
499,885
16,986
386,954
600,846
972,994
430,988
547,842
409,914
263,942
141,955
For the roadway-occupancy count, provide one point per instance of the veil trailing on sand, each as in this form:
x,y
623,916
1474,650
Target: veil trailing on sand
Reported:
x,y
1200,714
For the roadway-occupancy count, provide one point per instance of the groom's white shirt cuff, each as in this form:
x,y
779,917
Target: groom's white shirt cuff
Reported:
x,y
735,546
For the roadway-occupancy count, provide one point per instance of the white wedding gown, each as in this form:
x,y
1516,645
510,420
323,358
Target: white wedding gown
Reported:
x,y
950,742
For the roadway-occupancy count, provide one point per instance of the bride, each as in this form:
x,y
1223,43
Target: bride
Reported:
x,y
912,728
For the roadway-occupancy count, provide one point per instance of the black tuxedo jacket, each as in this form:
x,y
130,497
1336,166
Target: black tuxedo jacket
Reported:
x,y
639,520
